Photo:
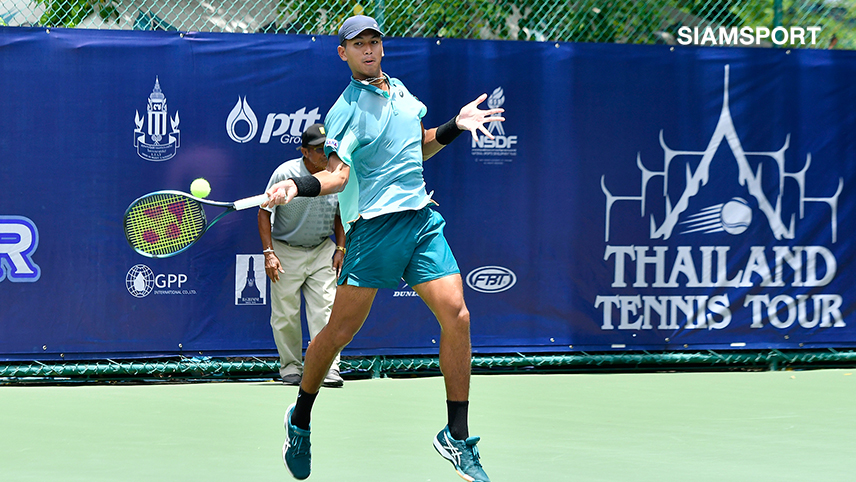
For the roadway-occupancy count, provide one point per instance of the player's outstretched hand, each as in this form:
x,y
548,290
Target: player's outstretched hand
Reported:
x,y
473,119
280,193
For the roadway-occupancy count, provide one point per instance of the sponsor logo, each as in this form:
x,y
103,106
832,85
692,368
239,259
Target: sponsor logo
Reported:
x,y
332,144
404,291
500,149
755,212
151,138
241,114
452,452
747,35
242,124
250,284
141,281
19,239
491,279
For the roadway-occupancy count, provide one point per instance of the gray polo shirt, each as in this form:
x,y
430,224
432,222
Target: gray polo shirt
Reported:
x,y
305,221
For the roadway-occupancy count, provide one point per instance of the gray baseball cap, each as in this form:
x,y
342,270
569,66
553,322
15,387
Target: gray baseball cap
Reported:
x,y
353,26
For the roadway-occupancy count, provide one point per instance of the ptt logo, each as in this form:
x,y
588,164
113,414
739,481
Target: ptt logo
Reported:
x,y
242,125
19,239
491,279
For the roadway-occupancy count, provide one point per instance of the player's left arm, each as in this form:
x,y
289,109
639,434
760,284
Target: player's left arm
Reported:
x,y
470,118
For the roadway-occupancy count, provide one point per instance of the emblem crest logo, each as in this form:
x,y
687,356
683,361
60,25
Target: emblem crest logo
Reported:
x,y
151,138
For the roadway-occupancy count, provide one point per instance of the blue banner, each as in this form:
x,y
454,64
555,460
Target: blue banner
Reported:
x,y
636,197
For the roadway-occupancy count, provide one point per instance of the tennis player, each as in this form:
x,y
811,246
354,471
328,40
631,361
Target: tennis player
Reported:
x,y
376,144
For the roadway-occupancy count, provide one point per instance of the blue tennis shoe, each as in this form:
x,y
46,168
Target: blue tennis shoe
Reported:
x,y
463,454
295,451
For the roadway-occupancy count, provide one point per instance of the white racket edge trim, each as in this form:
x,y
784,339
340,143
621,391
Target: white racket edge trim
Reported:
x,y
250,202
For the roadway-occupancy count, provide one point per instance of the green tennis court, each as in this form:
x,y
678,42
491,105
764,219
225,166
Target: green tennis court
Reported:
x,y
727,426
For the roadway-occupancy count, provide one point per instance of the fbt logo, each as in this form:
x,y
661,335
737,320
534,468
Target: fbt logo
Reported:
x,y
242,124
19,239
491,279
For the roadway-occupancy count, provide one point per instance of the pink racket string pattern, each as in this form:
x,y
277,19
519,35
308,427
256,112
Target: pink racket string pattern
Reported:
x,y
163,223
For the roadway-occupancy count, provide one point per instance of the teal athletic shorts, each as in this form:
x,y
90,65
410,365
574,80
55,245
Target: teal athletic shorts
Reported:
x,y
405,245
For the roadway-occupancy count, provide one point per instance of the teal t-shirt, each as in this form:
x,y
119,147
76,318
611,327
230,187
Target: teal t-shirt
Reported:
x,y
379,135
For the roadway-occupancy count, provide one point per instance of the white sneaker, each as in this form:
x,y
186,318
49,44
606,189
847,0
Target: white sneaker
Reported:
x,y
333,379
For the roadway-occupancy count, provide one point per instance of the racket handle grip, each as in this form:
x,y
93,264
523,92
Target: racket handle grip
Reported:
x,y
250,202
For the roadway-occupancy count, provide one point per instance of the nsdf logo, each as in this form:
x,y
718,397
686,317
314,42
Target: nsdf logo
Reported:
x,y
491,279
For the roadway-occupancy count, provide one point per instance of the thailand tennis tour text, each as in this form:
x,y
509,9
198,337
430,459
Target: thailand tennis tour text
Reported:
x,y
781,286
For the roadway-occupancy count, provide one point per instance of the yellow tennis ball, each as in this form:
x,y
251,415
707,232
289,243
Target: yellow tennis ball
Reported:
x,y
200,188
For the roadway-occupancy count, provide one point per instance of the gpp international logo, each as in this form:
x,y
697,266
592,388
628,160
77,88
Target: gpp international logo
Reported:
x,y
491,279
141,281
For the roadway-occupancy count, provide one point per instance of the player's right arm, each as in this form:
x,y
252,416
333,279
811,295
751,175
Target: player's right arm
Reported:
x,y
333,180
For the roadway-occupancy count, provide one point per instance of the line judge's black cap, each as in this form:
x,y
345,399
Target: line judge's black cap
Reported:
x,y
314,135
356,24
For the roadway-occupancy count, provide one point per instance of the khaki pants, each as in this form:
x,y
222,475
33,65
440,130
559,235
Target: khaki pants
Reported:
x,y
308,271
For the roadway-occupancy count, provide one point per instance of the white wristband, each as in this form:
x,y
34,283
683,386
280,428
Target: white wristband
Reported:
x,y
269,250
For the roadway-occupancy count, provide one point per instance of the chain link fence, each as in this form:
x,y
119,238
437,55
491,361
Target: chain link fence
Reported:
x,y
205,368
617,21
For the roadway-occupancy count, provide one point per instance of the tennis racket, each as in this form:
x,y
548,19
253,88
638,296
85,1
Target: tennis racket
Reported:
x,y
164,223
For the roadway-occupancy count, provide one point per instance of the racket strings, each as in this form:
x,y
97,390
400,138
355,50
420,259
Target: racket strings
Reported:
x,y
164,223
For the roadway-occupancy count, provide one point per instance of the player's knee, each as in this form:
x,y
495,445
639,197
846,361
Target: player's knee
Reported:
x,y
459,321
464,316
341,338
